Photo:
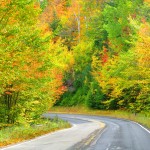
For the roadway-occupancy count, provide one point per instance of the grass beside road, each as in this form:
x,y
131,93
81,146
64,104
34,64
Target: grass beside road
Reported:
x,y
140,118
15,134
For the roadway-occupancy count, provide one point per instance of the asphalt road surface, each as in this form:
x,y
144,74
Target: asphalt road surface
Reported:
x,y
91,133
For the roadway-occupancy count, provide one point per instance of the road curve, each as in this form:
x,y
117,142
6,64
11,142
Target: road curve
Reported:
x,y
63,139
88,133
118,134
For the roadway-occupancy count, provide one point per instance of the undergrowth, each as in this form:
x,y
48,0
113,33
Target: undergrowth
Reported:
x,y
15,134
140,118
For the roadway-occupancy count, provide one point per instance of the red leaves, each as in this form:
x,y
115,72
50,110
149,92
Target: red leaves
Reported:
x,y
104,56
56,85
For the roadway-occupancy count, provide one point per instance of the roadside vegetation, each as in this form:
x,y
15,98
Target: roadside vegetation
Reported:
x,y
120,114
14,134
90,53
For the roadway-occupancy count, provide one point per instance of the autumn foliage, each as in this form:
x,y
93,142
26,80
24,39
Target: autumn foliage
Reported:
x,y
31,65
73,52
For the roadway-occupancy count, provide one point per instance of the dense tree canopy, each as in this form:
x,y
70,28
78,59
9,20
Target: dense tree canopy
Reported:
x,y
73,52
31,65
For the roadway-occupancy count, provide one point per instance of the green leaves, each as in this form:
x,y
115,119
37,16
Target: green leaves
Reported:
x,y
125,78
31,65
116,24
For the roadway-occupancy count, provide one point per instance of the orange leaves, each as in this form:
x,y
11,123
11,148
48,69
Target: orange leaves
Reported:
x,y
144,30
104,56
31,69
59,7
148,1
64,20
4,3
55,6
31,64
55,86
8,93
36,6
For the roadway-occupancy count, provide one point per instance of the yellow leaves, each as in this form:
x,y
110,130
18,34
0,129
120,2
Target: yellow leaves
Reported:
x,y
64,20
143,45
60,56
45,29
120,20
110,85
112,81
95,62
55,86
128,74
116,92
147,1
35,102
31,62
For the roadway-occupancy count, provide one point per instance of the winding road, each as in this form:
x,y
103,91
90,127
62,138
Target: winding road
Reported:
x,y
91,133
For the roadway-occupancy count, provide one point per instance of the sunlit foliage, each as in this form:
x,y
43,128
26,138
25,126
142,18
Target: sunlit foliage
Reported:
x,y
31,65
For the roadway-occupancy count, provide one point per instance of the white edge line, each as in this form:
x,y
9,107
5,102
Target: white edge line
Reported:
x,y
142,127
36,138
40,137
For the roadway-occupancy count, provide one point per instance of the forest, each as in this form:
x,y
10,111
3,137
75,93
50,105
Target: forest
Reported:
x,y
91,53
